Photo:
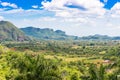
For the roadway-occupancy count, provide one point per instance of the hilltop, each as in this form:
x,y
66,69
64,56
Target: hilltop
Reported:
x,y
9,32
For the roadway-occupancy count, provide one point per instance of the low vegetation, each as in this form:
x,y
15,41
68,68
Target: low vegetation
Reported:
x,y
53,60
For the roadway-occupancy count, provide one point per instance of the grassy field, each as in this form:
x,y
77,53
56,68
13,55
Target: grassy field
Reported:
x,y
75,58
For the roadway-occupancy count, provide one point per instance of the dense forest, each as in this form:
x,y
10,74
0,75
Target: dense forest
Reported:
x,y
60,60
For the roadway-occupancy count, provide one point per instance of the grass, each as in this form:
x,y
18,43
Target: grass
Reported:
x,y
75,58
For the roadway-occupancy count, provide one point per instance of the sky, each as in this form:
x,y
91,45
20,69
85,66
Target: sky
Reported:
x,y
75,17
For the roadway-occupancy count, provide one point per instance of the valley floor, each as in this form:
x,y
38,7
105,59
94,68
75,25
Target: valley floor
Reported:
x,y
60,61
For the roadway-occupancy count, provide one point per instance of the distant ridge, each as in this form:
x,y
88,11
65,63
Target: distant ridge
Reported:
x,y
47,34
50,34
9,32
99,37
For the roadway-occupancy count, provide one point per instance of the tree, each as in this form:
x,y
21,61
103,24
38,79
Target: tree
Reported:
x,y
97,73
35,68
75,76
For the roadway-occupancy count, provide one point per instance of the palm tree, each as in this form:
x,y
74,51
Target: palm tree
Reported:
x,y
36,68
97,73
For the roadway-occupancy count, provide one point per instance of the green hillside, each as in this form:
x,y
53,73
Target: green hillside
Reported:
x,y
10,32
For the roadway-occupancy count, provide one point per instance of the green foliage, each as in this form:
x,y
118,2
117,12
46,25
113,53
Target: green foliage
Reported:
x,y
34,67
65,61
24,66
75,76
97,73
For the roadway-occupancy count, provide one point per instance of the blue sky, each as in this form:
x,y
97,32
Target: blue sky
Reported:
x,y
75,17
27,4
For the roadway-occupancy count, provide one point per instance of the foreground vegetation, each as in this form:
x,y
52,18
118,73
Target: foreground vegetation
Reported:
x,y
55,60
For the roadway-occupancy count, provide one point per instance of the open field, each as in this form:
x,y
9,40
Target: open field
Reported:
x,y
75,58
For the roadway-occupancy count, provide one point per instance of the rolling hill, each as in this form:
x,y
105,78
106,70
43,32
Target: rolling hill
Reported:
x,y
9,32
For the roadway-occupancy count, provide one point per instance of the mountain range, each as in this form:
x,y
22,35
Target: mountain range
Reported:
x,y
47,34
50,34
99,37
9,32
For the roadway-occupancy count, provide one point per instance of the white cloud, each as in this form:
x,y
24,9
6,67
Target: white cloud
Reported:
x,y
116,6
47,19
115,11
35,6
21,12
93,7
12,11
63,14
5,4
109,24
75,20
2,9
105,1
1,18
